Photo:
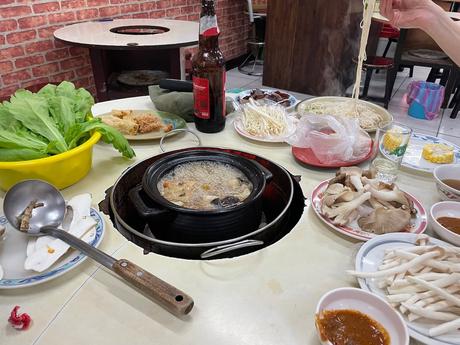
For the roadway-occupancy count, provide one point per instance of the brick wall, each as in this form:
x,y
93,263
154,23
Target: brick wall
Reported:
x,y
29,54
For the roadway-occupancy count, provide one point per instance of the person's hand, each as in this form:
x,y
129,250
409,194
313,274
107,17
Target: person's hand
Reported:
x,y
407,13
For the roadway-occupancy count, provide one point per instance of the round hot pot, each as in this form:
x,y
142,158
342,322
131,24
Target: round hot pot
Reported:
x,y
180,224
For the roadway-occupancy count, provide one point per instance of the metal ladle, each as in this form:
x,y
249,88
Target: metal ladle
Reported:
x,y
45,221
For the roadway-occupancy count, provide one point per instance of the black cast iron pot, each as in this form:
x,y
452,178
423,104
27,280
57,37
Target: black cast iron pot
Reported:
x,y
185,225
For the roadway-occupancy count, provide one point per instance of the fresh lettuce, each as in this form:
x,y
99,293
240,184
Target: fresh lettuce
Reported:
x,y
51,121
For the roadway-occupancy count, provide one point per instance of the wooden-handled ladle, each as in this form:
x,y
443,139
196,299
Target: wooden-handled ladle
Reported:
x,y
37,208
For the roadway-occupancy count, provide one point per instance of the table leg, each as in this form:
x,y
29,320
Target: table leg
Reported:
x,y
100,72
174,63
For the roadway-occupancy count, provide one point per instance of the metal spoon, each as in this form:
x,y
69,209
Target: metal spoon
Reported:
x,y
45,221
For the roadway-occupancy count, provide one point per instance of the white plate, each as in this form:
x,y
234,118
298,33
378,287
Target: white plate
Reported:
x,y
13,256
292,100
370,257
373,306
238,125
417,225
413,157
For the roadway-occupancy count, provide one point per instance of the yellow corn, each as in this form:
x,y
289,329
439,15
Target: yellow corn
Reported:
x,y
438,153
392,140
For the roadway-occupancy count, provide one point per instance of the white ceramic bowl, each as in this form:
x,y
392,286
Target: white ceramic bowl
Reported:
x,y
445,209
370,304
447,171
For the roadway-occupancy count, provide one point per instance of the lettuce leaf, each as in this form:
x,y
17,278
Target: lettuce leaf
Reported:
x,y
32,110
109,135
19,154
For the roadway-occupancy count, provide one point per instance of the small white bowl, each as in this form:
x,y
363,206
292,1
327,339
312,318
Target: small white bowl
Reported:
x,y
372,305
443,172
445,209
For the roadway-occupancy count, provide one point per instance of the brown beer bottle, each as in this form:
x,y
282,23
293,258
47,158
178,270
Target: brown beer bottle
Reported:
x,y
209,74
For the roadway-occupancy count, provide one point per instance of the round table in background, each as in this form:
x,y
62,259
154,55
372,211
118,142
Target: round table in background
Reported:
x,y
130,44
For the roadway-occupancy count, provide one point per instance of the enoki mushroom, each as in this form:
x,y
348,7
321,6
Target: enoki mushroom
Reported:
x,y
423,282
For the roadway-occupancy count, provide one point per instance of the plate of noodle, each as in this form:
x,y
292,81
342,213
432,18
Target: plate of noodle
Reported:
x,y
369,115
264,122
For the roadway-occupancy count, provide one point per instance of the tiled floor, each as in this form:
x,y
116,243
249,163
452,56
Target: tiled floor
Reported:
x,y
443,126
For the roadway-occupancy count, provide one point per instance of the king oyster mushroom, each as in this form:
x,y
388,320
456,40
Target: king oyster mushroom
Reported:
x,y
384,220
344,212
389,193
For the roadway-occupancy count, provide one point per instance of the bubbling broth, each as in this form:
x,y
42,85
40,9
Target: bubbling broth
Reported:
x,y
205,185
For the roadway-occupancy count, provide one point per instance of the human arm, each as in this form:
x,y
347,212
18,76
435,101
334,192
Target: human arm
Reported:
x,y
425,15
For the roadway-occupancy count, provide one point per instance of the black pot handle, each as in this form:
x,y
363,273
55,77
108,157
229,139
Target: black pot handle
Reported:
x,y
144,211
267,173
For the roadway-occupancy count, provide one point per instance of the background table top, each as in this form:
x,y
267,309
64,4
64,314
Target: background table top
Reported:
x,y
97,34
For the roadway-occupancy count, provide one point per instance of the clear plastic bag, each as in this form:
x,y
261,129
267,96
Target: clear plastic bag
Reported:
x,y
332,139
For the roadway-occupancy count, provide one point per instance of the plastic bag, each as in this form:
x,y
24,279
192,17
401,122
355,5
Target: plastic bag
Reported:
x,y
332,139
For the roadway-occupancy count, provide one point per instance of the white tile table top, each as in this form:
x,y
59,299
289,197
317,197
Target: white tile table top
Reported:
x,y
97,34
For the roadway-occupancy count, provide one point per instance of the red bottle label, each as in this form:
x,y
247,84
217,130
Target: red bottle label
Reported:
x,y
208,26
201,97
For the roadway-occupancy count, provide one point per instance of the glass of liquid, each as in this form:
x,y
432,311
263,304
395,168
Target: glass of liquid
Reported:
x,y
390,146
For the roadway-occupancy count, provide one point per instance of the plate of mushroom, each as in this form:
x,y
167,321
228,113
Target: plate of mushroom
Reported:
x,y
357,205
420,277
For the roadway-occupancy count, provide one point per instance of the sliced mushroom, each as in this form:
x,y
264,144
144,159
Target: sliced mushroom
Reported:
x,y
384,220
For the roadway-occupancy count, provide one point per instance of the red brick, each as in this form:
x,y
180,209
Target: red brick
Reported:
x,y
14,77
149,6
48,32
172,12
129,8
29,61
71,63
9,53
157,14
35,82
84,82
8,25
59,44
119,1
45,70
141,15
57,78
186,9
182,17
39,47
15,11
77,51
84,71
164,4
32,22
89,13
109,11
6,92
6,67
19,37
7,2
193,17
179,3
61,17
47,7
72,4
57,54
92,3
2,39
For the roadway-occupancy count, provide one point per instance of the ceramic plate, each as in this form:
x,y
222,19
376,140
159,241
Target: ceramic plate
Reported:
x,y
176,121
306,156
370,256
417,226
413,157
238,125
13,255
387,117
292,100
